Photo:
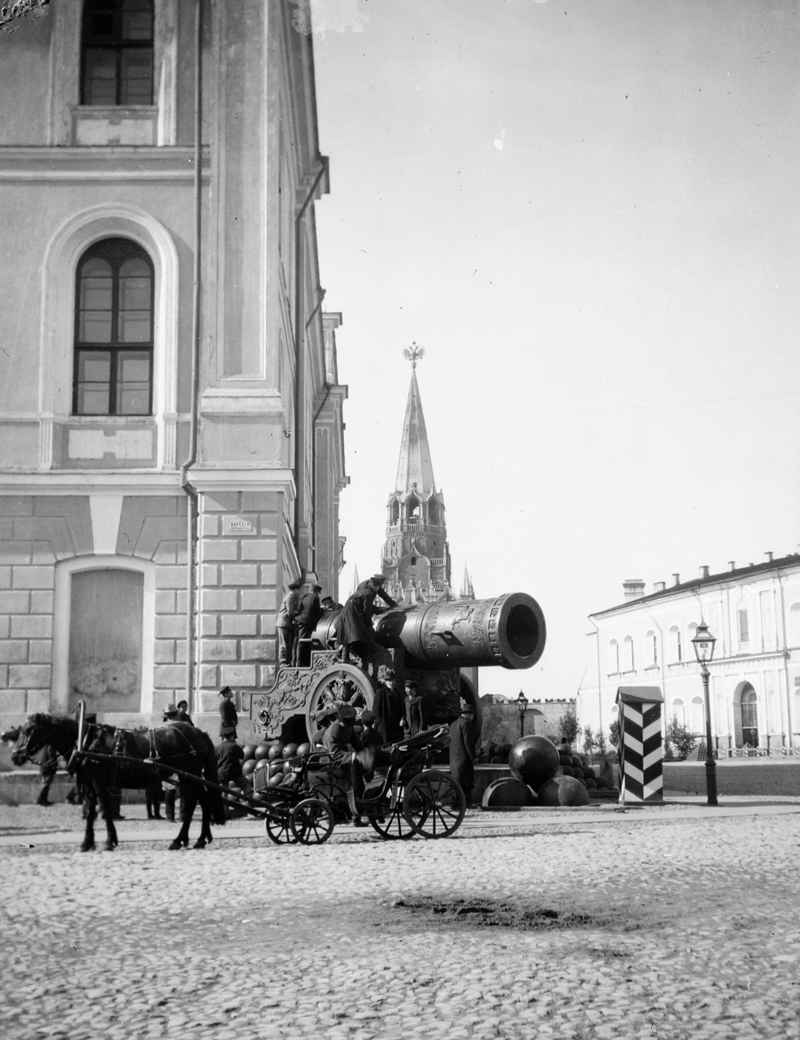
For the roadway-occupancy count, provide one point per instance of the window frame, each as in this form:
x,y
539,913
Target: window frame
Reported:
x,y
118,45
111,250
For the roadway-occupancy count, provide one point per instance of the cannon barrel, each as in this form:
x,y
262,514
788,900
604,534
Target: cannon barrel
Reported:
x,y
508,630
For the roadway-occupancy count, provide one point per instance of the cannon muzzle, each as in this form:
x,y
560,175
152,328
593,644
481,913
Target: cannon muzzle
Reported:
x,y
508,631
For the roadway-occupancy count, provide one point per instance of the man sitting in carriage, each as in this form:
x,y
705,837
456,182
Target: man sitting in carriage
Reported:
x,y
343,745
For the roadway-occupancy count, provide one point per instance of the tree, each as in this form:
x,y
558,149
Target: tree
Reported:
x,y
568,724
589,740
681,738
613,733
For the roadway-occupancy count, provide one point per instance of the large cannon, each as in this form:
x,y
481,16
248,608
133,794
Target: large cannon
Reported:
x,y
431,643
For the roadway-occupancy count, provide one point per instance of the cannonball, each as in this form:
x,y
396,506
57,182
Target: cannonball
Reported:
x,y
589,773
276,766
262,763
565,760
591,785
533,760
576,762
275,779
303,750
567,771
275,751
288,767
507,792
564,748
249,766
579,773
262,751
290,750
563,790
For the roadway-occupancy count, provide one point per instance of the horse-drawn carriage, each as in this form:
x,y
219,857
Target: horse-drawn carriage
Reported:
x,y
405,797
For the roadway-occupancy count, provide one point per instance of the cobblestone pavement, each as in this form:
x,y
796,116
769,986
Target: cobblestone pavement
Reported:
x,y
668,924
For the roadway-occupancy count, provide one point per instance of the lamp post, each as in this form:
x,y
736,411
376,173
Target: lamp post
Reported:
x,y
522,704
703,643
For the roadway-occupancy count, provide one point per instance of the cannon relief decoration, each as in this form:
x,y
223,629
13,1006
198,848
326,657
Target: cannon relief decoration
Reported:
x,y
429,643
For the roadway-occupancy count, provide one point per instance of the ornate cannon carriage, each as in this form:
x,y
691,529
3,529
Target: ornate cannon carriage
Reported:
x,y
434,644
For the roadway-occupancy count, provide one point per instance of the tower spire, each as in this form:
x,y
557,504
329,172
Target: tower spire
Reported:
x,y
414,469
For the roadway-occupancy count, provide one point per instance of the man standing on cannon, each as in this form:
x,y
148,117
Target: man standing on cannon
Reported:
x,y
285,622
355,630
309,612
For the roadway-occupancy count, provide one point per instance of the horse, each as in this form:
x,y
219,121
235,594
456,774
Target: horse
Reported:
x,y
113,758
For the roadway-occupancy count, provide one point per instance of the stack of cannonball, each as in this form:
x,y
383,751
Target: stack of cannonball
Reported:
x,y
271,764
571,764
552,775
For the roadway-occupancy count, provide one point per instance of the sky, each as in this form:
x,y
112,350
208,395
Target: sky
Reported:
x,y
586,214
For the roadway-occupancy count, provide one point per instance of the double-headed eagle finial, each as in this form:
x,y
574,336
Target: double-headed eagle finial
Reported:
x,y
413,354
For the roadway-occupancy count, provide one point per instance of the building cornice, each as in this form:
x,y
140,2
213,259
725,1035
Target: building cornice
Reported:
x,y
48,164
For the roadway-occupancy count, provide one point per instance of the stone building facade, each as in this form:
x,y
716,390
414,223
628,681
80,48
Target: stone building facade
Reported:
x,y
753,612
171,436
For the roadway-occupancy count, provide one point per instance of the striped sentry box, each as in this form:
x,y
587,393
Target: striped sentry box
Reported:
x,y
641,750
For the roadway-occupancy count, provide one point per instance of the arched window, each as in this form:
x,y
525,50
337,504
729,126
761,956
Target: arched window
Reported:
x,y
679,711
117,53
113,372
628,655
412,509
433,511
613,657
697,715
395,512
652,648
675,646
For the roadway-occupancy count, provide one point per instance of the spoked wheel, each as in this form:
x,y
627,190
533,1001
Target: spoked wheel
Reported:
x,y
434,804
279,828
312,821
394,825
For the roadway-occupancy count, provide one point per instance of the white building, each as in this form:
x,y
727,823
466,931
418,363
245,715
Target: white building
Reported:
x,y
754,613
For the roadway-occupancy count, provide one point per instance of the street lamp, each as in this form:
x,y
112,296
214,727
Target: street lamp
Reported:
x,y
522,704
703,643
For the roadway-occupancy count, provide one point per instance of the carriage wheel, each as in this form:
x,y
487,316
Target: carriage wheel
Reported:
x,y
279,829
434,804
394,826
312,821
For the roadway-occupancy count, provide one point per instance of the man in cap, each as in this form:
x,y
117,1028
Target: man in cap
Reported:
x,y
414,718
389,708
463,749
284,622
308,614
342,744
228,717
354,630
229,756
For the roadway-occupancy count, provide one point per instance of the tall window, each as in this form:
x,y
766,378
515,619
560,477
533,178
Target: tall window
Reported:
x,y
744,625
676,650
613,657
114,330
652,648
117,52
628,656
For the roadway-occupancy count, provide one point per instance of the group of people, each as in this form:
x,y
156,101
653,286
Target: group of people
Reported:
x,y
299,614
297,618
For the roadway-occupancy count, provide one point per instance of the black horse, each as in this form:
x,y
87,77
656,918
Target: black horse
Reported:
x,y
110,759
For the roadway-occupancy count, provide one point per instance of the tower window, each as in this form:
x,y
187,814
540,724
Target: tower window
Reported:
x,y
413,561
114,330
412,509
117,52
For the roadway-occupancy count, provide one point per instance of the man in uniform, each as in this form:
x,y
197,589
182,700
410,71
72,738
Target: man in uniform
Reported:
x,y
284,623
308,614
463,751
387,704
228,717
414,719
